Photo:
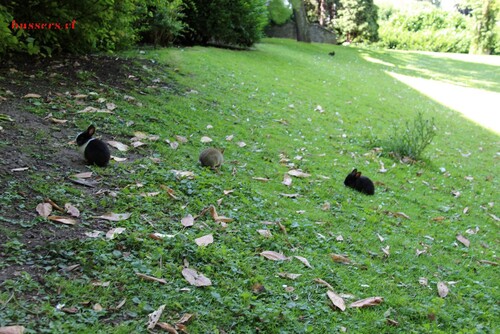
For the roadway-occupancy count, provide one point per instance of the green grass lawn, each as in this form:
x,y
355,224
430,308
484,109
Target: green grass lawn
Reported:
x,y
294,107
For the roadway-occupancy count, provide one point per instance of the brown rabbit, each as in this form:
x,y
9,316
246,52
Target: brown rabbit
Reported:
x,y
212,157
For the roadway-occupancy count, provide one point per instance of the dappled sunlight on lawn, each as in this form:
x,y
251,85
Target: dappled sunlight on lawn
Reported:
x,y
478,105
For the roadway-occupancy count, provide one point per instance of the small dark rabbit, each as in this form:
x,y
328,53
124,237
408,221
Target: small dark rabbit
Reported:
x,y
212,157
94,150
360,183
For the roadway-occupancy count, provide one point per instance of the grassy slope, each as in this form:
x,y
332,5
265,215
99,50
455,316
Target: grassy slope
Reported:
x,y
245,93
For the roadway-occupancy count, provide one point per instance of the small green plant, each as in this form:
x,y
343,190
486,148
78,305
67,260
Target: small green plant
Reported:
x,y
412,139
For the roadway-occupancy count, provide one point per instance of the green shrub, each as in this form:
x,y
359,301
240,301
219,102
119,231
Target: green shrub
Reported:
x,y
225,22
8,41
279,13
431,30
411,139
160,21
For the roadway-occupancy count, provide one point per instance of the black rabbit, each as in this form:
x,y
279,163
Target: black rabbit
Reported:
x,y
94,150
360,183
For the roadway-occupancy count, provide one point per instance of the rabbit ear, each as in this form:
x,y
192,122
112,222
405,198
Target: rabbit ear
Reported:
x,y
358,174
91,130
354,171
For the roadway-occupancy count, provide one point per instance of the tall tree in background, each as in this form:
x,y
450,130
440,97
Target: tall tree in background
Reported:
x,y
485,14
357,20
301,21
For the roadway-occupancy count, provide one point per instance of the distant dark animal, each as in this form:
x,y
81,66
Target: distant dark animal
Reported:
x,y
360,183
94,150
212,157
332,53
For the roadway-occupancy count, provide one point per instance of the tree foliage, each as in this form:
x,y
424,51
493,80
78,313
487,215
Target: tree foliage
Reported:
x,y
225,22
86,25
485,14
357,20
279,12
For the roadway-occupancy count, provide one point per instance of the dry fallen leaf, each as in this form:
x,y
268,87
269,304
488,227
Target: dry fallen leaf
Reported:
x,y
325,283
93,234
386,250
339,258
289,275
290,195
63,220
304,261
463,240
442,289
265,233
94,110
12,330
287,180
114,231
336,300
187,221
204,240
72,210
298,173
115,216
151,278
472,230
195,278
262,179
230,137
155,316
118,159
84,175
32,96
271,255
44,209
423,281
205,139
119,146
372,301
167,327
186,318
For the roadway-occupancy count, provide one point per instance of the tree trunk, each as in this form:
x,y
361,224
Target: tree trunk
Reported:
x,y
301,22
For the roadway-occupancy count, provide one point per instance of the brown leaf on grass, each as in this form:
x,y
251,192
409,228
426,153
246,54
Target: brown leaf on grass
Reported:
x,y
115,217
195,278
118,159
181,174
290,195
12,330
44,209
32,96
154,317
84,175
58,121
463,240
69,310
181,139
287,180
423,281
204,240
114,231
488,262
20,169
94,110
438,219
494,217
119,146
262,179
151,278
265,233
303,260
97,307
167,327
215,215
241,144
54,205
186,318
397,214
372,301
442,289
72,210
160,236
271,255
385,250
336,300
472,230
325,283
62,220
120,304
339,258
289,275
205,139
187,221
298,173
136,144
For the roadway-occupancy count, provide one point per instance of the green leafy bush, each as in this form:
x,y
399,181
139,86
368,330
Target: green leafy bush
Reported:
x,y
160,21
279,13
431,30
225,22
411,139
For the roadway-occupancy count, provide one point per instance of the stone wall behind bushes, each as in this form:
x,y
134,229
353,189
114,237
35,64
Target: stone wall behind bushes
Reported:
x,y
288,30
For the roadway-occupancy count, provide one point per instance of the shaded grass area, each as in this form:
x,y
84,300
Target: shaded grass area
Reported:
x,y
293,106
